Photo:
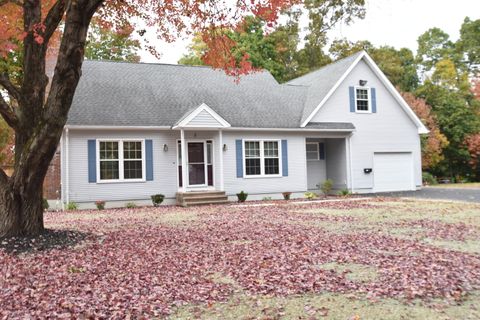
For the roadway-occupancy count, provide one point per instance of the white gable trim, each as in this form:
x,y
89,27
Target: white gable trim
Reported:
x,y
364,55
203,107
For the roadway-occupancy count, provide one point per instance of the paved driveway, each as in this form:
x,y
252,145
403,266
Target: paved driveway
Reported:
x,y
458,194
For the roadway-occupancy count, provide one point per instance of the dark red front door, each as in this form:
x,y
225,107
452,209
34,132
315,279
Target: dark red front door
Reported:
x,y
196,163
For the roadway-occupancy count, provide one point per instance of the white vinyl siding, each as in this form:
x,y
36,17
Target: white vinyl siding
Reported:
x,y
390,129
203,119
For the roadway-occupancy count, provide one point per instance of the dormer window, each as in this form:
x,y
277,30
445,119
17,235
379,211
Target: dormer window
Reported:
x,y
362,99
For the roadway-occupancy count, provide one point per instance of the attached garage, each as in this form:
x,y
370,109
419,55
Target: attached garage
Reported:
x,y
393,171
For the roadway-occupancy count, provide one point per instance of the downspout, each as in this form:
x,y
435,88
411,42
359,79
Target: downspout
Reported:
x,y
67,169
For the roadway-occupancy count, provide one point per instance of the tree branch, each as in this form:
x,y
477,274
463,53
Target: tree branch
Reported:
x,y
53,18
12,90
8,114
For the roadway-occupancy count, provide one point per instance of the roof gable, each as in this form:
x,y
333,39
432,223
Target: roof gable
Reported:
x,y
323,90
202,117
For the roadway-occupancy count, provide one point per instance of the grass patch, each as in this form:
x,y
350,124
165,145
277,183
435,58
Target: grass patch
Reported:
x,y
327,306
469,185
176,218
353,271
468,246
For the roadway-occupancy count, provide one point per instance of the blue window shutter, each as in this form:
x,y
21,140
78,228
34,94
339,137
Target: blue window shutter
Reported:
x,y
92,161
373,93
284,158
239,150
322,150
149,159
351,90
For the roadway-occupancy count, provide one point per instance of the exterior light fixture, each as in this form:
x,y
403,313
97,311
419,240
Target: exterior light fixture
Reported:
x,y
362,82
225,148
165,147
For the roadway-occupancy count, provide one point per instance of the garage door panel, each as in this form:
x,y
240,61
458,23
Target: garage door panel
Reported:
x,y
393,171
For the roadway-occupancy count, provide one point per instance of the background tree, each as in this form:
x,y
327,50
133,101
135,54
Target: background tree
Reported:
x,y
105,43
433,143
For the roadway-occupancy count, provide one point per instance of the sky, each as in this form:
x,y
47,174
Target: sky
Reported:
x,y
397,23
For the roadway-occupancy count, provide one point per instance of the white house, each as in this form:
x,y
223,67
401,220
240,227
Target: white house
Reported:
x,y
191,132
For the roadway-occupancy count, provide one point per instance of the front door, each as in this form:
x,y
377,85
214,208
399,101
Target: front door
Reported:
x,y
197,173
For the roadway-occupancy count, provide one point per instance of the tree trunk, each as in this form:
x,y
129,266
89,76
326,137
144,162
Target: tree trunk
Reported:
x,y
21,212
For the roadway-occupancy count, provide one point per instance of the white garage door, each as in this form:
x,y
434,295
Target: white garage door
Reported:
x,y
393,171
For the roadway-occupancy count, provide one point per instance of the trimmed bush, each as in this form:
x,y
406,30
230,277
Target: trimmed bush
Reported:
x,y
286,195
130,205
100,204
344,193
242,196
310,195
326,186
157,199
72,206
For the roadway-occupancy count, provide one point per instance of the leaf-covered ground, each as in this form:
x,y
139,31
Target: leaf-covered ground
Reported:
x,y
362,259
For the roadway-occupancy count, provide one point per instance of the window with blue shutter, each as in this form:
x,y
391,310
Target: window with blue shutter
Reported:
x,y
239,152
373,94
149,159
284,158
92,161
351,91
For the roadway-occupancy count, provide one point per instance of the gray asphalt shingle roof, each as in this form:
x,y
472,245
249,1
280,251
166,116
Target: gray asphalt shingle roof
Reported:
x,y
319,82
137,94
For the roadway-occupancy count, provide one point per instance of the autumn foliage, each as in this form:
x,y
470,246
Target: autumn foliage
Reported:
x,y
435,142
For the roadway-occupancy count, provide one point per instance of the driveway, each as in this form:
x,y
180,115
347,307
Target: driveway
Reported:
x,y
457,194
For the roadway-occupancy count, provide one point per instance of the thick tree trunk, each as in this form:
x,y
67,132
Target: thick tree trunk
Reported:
x,y
39,122
21,212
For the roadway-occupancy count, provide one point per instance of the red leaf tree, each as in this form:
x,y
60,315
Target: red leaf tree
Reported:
x,y
434,143
38,116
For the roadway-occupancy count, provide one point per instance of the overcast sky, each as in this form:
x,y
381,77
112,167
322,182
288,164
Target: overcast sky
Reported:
x,y
394,22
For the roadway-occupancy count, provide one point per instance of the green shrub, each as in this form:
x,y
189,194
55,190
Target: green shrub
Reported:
x,y
100,204
286,195
310,195
157,199
72,206
242,196
344,193
267,198
326,186
45,204
130,205
429,179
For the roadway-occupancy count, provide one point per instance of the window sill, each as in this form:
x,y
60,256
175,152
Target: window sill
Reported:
x,y
263,176
364,112
121,181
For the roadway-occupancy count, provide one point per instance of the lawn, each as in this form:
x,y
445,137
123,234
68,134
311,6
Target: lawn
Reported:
x,y
363,259
468,185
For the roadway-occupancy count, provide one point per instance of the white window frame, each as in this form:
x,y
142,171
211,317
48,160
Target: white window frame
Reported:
x,y
262,159
318,151
121,160
369,94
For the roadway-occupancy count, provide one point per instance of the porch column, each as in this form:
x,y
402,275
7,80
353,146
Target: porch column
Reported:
x,y
184,160
220,164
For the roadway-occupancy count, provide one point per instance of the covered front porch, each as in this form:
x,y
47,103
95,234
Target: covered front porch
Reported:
x,y
200,174
328,157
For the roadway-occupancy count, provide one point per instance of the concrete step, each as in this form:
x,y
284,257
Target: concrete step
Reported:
x,y
205,202
186,199
188,195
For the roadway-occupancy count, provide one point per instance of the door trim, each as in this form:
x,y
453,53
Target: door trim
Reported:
x,y
197,187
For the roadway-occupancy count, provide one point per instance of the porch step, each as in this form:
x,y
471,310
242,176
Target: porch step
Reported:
x,y
186,199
